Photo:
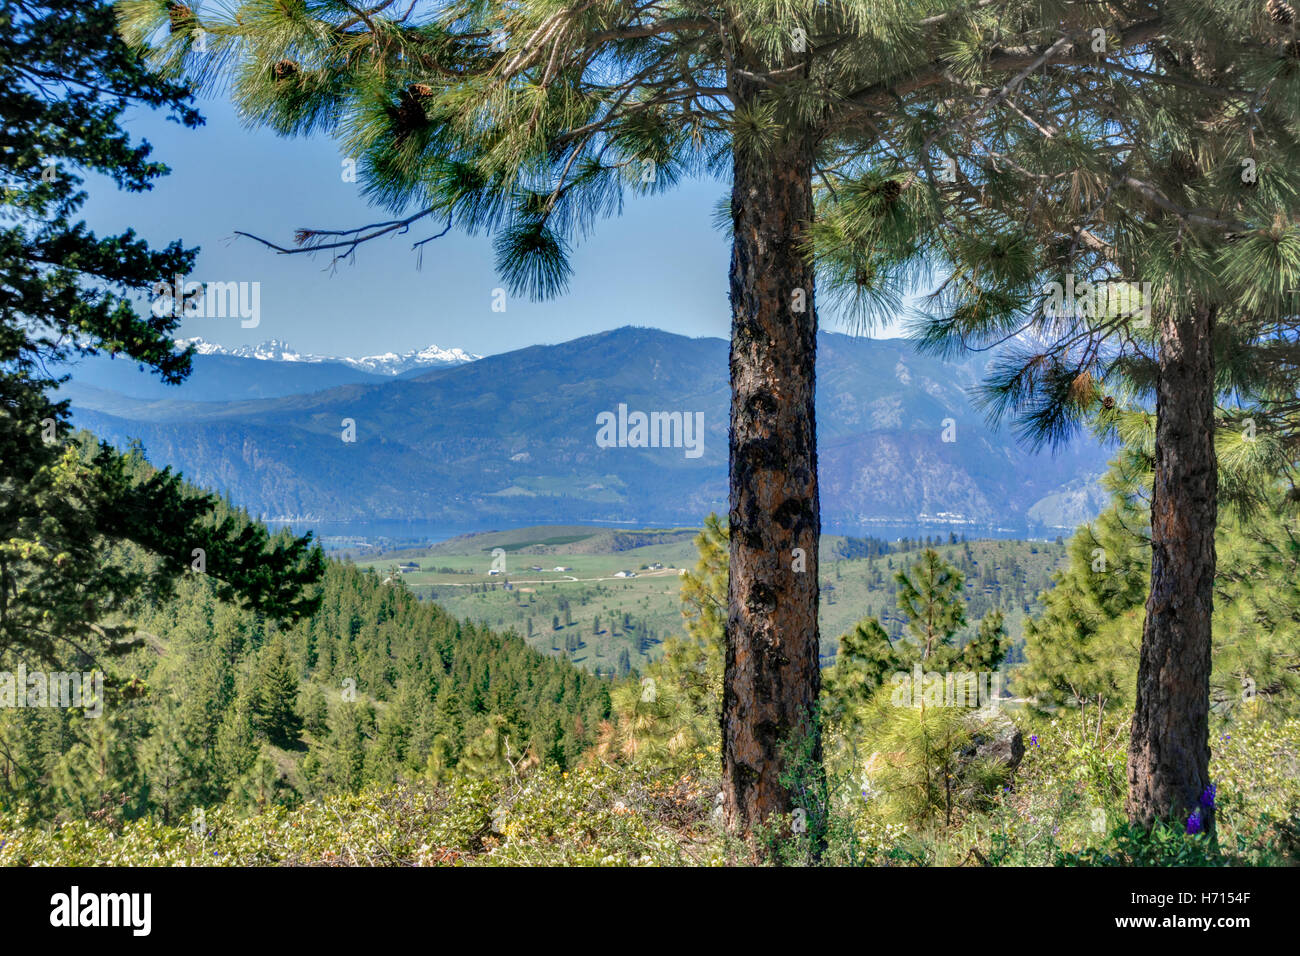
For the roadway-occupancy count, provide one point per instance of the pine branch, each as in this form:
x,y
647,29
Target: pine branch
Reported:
x,y
887,92
309,243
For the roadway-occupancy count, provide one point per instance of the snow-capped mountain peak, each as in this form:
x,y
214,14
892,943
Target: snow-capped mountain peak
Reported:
x,y
389,363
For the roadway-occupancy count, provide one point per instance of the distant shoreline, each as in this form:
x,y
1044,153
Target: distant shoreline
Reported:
x,y
406,531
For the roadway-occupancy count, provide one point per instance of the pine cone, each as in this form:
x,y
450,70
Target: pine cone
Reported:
x,y
422,90
182,17
891,189
1183,165
1203,61
1108,402
408,115
284,69
1279,11
1060,253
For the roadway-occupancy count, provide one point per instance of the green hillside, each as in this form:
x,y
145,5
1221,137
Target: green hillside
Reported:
x,y
218,706
610,624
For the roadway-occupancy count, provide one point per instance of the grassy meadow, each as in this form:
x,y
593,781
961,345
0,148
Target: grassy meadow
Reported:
x,y
611,624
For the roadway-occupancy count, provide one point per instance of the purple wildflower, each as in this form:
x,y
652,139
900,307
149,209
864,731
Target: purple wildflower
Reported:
x,y
1033,739
1194,823
1207,796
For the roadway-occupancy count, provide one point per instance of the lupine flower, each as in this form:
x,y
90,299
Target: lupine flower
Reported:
x,y
1207,796
1194,823
1034,739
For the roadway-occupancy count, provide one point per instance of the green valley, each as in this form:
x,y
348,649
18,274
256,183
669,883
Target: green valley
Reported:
x,y
608,598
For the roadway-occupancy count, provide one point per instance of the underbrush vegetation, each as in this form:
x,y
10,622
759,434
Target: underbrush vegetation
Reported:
x,y
1063,808
902,775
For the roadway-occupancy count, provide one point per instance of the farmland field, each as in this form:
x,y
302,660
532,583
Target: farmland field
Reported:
x,y
612,624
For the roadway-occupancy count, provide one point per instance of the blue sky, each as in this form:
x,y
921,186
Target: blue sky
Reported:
x,y
660,264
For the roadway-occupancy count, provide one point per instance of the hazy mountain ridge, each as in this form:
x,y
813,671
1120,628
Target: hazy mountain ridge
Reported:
x,y
512,438
387,363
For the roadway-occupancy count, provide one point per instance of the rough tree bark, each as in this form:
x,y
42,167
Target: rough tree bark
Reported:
x,y
772,679
1169,752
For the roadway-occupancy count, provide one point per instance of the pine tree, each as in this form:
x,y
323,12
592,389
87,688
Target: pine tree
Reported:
x,y
236,747
314,709
345,759
263,785
984,653
488,754
276,702
704,589
863,662
97,774
931,777
1165,182
440,762
66,79
1083,651
929,596
166,759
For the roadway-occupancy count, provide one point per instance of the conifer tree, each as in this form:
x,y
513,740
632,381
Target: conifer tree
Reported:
x,y
440,762
263,785
1080,651
236,747
66,79
930,597
931,777
1083,651
863,662
97,774
1135,235
345,761
984,653
314,709
276,701
674,707
166,759
487,755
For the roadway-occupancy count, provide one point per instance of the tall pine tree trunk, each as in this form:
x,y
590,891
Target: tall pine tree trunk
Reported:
x,y
772,679
1169,752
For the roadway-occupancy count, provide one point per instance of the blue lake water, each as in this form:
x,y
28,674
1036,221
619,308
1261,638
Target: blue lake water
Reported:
x,y
398,532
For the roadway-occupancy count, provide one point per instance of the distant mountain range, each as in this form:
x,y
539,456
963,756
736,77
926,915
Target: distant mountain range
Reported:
x,y
512,438
269,370
390,363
